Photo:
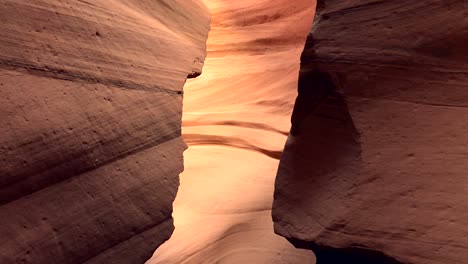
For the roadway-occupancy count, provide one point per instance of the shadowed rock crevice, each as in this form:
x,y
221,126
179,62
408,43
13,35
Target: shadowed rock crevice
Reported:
x,y
328,255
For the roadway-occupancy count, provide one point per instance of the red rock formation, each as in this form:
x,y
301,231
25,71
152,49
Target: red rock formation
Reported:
x,y
90,107
235,121
375,165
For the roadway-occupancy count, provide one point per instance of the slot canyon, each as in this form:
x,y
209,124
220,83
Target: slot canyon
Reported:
x,y
231,132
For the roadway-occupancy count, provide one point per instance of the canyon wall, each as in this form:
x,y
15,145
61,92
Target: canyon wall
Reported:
x,y
90,127
375,165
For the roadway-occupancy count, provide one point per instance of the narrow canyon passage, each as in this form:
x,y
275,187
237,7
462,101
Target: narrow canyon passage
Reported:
x,y
236,119
373,169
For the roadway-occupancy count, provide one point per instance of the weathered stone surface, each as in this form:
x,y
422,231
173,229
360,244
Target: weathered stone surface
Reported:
x,y
236,118
375,166
90,107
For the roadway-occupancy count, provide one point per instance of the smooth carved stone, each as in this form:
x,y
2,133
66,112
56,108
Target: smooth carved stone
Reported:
x,y
375,166
90,140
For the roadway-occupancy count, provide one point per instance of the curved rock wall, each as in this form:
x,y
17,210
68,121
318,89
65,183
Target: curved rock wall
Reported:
x,y
235,121
376,161
90,106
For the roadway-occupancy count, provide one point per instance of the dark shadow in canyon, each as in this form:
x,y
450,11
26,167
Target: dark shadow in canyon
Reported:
x,y
323,137
328,255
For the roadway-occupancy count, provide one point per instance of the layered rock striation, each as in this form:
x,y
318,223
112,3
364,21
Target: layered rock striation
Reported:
x,y
90,127
235,121
376,161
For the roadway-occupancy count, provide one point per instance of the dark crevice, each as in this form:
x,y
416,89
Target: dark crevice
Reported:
x,y
200,139
350,255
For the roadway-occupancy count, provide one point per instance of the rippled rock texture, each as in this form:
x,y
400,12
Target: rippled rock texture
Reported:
x,y
376,160
236,119
90,127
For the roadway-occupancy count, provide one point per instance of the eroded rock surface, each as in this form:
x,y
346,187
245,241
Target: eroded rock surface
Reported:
x,y
90,106
375,164
235,121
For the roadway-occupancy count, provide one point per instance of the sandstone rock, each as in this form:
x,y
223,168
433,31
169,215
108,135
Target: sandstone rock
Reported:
x,y
236,118
90,107
375,164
